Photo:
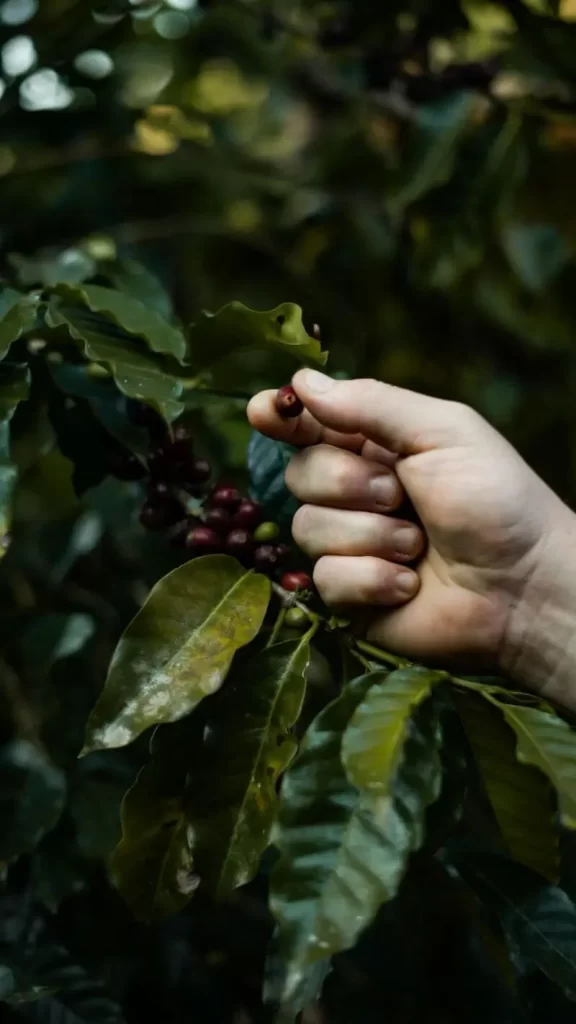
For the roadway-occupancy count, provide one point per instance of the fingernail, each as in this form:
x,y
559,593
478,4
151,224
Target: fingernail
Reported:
x,y
407,582
406,540
383,489
316,382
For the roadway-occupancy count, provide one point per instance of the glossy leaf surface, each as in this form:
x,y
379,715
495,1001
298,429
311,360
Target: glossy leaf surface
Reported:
x,y
178,648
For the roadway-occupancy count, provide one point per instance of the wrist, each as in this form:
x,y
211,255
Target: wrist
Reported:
x,y
540,645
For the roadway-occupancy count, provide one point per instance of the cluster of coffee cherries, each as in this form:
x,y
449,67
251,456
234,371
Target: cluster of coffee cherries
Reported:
x,y
228,521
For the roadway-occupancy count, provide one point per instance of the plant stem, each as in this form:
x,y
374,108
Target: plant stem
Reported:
x,y
380,655
277,627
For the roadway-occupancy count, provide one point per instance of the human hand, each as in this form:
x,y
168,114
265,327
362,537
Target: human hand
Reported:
x,y
492,582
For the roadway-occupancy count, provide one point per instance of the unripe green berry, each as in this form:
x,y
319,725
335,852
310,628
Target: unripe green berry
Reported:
x,y
296,618
266,532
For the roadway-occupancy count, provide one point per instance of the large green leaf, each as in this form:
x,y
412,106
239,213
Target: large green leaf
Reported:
x,y
17,314
539,920
130,314
438,131
14,387
235,327
32,795
343,854
547,742
178,648
152,866
536,252
134,278
374,738
137,371
520,796
232,801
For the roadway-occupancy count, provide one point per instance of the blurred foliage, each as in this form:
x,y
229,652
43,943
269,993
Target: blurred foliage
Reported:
x,y
404,171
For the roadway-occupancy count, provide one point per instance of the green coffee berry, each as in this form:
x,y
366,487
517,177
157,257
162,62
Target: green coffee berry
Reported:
x,y
266,532
296,618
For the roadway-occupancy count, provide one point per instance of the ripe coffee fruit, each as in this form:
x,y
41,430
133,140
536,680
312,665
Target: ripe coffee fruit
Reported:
x,y
203,541
159,515
218,519
265,558
266,532
225,496
296,581
239,543
125,466
159,490
288,405
283,551
248,514
199,471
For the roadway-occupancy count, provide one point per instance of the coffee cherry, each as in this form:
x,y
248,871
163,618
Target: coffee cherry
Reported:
x,y
125,466
203,541
159,490
181,435
287,403
225,496
239,543
159,515
218,519
283,552
199,471
170,461
265,558
296,581
248,514
266,532
296,618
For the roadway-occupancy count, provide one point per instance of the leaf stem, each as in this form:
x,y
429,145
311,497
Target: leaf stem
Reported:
x,y
380,655
277,627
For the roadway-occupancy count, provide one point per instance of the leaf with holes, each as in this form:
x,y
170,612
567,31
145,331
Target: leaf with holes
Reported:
x,y
138,372
231,801
178,648
343,853
521,797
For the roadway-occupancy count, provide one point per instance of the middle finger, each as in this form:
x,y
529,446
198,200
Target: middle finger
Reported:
x,y
323,475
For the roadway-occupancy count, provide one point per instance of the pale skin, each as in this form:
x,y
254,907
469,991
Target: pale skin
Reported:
x,y
488,583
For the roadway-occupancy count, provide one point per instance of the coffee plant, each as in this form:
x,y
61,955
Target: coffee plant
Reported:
x,y
217,800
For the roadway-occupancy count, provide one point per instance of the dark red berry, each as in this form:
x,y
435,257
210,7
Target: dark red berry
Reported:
x,y
125,466
159,490
218,519
288,405
199,471
225,496
181,435
296,581
203,541
239,543
170,461
266,558
283,551
159,515
248,514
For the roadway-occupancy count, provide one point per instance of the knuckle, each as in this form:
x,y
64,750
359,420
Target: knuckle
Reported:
x,y
301,524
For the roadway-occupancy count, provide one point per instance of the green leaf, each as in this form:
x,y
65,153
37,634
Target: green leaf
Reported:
x,y
232,801
539,920
17,314
235,327
14,387
152,866
547,742
343,854
134,278
53,636
520,796
438,132
267,462
178,648
375,736
32,795
137,372
50,267
130,314
536,252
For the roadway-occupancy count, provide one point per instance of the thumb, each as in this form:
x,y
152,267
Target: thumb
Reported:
x,y
402,420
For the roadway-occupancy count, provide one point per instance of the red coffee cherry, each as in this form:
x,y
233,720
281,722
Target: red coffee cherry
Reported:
x,y
159,515
199,471
239,543
203,541
218,519
248,514
225,496
288,405
158,490
296,581
283,551
125,466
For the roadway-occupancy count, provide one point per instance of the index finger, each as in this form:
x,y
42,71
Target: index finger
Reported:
x,y
304,430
